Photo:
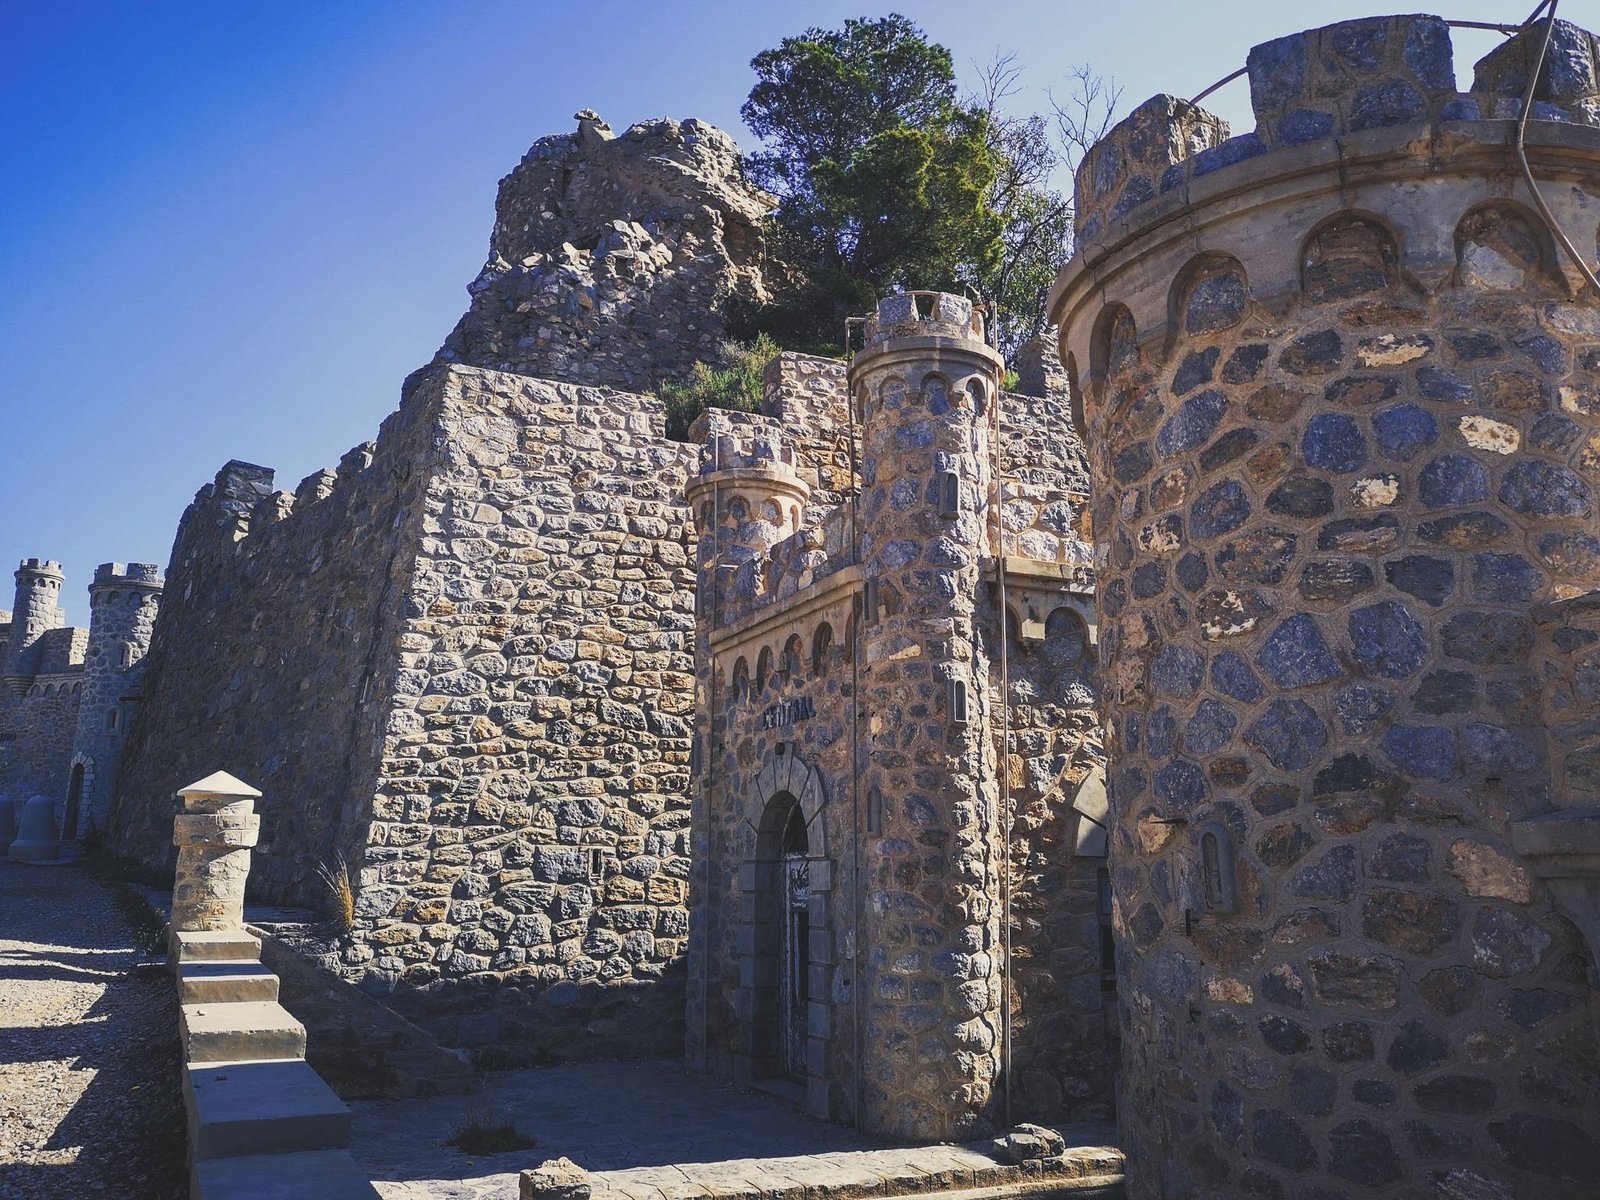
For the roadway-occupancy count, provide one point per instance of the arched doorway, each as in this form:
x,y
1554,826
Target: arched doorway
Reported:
x,y
69,828
783,933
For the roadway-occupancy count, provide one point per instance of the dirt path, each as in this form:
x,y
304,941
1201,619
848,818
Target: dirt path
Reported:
x,y
89,1094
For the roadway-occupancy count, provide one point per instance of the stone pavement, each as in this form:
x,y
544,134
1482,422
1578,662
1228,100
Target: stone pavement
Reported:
x,y
653,1131
89,1087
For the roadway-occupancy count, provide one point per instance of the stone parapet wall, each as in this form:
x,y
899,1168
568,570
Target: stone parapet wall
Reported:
x,y
1338,403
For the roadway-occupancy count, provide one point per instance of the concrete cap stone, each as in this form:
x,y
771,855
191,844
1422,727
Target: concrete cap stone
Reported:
x,y
220,783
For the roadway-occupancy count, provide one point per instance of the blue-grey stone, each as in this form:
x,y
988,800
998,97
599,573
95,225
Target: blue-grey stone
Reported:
x,y
1435,383
1416,1047
1277,71
1132,463
1177,671
1363,1153
1490,748
1401,858
1429,54
1313,353
1313,1090
1279,1140
1553,432
1220,509
1361,706
1181,784
1283,1035
1545,489
1386,640
1331,877
1192,424
1232,676
1227,1113
1210,729
1149,579
1422,751
1404,430
1508,577
1132,732
1160,734
1544,351
1138,190
1216,302
1394,102
1108,167
1169,976
1492,638
1245,362
1089,228
1453,479
1424,576
1360,43
1289,733
1462,108
1198,367
1333,442
1295,655
1234,150
1172,176
897,554
1571,554
1192,571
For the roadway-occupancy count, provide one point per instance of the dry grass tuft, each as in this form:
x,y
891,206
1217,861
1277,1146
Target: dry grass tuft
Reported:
x,y
341,893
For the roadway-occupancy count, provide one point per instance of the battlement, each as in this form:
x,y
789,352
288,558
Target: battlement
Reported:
x,y
924,314
115,574
1323,85
47,567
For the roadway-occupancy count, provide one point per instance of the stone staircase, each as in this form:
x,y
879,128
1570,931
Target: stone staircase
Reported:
x,y
262,1124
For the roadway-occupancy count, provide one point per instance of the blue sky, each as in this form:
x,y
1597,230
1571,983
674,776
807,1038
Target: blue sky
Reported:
x,y
229,230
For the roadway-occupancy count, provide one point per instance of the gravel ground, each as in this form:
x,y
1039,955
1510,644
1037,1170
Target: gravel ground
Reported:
x,y
90,1101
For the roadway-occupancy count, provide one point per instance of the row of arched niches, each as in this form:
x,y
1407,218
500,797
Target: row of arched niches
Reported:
x,y
1500,246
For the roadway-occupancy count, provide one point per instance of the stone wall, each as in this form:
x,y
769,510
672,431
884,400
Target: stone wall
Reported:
x,y
525,878
1339,397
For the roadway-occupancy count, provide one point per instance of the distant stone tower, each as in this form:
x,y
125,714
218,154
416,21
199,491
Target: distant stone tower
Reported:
x,y
1341,395
930,975
123,602
37,611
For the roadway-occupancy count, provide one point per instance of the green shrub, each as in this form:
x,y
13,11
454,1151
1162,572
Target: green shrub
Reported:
x,y
483,1133
734,384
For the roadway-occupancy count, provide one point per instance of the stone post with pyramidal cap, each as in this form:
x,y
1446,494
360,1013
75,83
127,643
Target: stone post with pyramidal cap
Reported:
x,y
214,834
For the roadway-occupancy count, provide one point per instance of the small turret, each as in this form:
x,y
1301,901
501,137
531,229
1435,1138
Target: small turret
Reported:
x,y
37,611
123,602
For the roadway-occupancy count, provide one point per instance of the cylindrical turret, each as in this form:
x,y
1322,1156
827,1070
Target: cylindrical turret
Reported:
x,y
123,602
1341,394
37,610
923,387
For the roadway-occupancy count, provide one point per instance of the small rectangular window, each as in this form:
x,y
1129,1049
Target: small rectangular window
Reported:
x,y
597,863
875,811
957,705
950,494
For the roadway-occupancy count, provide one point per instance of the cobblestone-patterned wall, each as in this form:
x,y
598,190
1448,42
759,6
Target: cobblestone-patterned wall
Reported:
x,y
525,881
918,819
1342,446
41,673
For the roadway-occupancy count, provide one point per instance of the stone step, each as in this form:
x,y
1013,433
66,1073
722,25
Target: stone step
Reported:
x,y
316,1175
254,1108
213,945
234,1031
222,982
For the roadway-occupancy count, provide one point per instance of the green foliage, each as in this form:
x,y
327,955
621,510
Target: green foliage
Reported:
x,y
484,1133
883,179
735,384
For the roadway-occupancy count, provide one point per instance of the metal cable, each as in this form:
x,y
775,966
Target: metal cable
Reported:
x,y
1519,144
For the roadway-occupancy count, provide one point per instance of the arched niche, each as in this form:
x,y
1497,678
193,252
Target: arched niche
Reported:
x,y
1348,255
1502,246
1113,347
1209,294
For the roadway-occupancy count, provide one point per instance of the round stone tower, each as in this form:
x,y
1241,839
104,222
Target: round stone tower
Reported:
x,y
1341,393
930,962
123,602
36,611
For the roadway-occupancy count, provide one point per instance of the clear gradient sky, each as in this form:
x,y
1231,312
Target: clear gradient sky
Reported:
x,y
230,228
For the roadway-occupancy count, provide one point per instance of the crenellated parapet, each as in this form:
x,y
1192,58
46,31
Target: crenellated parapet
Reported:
x,y
1340,393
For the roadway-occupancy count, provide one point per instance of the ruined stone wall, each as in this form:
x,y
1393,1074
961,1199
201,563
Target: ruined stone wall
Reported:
x,y
1339,400
617,260
524,882
272,654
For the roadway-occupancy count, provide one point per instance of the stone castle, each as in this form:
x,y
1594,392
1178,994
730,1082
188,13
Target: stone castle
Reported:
x,y
1202,732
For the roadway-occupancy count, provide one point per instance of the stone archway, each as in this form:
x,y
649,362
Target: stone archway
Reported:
x,y
78,806
784,939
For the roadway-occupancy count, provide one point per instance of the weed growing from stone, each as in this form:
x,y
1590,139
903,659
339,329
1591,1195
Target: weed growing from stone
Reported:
x,y
483,1133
